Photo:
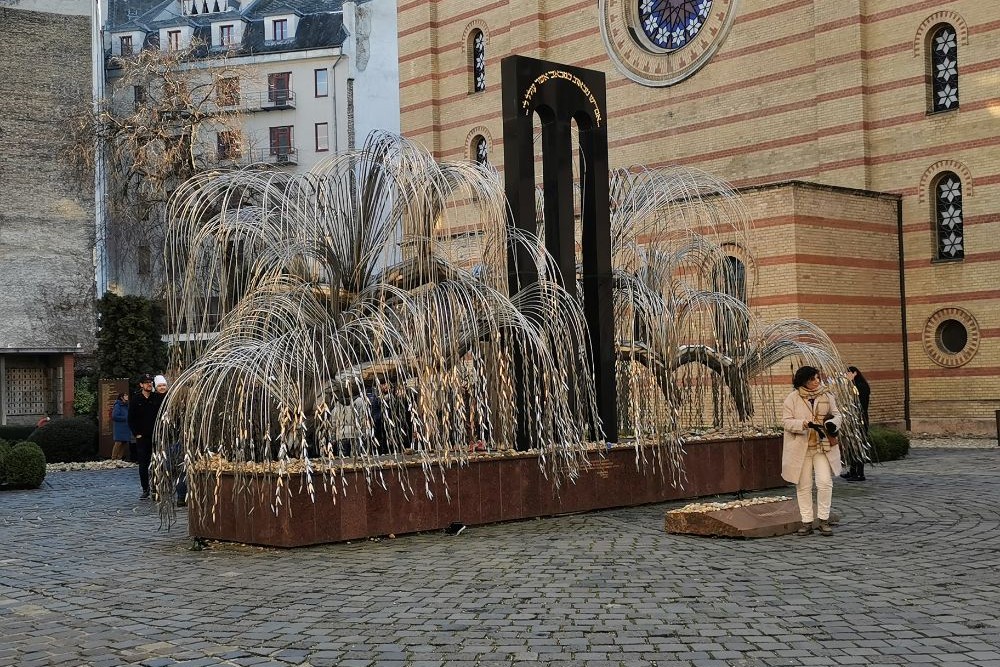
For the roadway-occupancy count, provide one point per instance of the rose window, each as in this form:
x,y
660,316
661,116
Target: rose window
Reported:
x,y
671,24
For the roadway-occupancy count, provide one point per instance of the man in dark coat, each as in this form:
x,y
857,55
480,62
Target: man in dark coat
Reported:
x,y
143,408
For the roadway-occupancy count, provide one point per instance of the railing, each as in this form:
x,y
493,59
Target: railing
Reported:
x,y
273,100
279,156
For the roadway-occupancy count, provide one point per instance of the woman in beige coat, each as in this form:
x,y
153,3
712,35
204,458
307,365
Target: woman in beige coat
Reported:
x,y
810,416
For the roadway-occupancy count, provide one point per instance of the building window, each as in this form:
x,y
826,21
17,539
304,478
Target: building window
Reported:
x,y
126,45
478,50
227,91
943,63
280,29
322,82
730,278
277,87
948,212
322,137
225,35
228,145
281,140
138,95
174,40
480,150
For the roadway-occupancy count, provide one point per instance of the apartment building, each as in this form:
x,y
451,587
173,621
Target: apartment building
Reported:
x,y
312,77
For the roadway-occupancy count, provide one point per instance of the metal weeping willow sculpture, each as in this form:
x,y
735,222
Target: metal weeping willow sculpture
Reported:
x,y
332,296
331,292
385,310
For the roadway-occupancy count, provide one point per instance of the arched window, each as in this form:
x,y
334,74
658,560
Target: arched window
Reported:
x,y
480,150
732,328
949,216
730,277
943,65
477,43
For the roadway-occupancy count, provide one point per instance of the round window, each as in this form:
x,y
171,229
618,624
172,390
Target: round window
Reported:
x,y
663,42
671,24
952,336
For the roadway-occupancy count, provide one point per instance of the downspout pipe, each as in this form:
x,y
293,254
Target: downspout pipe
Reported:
x,y
336,111
100,175
902,313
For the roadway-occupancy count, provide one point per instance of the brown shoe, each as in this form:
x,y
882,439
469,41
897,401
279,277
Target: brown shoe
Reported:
x,y
824,528
806,529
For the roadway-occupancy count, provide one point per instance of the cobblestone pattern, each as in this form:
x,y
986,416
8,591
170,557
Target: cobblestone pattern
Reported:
x,y
912,577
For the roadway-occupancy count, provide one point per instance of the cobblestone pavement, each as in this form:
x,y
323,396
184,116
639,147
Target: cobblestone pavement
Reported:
x,y
912,577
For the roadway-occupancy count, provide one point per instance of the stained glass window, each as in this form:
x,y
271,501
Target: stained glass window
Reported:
x,y
671,24
944,69
481,149
948,198
478,61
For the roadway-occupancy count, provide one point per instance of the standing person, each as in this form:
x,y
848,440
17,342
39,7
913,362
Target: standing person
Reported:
x,y
142,411
857,469
120,430
377,406
345,430
808,414
174,451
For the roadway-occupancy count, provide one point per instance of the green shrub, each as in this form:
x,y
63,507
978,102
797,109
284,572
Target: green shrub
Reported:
x,y
5,448
15,433
67,440
84,398
25,466
888,444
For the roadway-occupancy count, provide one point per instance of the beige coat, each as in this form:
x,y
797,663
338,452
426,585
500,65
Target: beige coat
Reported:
x,y
794,411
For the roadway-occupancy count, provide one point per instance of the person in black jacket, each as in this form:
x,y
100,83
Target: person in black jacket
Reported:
x,y
856,473
143,408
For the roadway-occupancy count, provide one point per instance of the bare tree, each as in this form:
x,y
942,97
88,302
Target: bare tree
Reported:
x,y
167,116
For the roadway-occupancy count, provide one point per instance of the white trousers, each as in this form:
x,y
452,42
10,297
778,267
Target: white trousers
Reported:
x,y
815,462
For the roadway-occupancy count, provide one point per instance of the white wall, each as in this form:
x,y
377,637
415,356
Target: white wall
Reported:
x,y
373,50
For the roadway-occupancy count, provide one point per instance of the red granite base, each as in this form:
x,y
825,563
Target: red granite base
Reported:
x,y
485,491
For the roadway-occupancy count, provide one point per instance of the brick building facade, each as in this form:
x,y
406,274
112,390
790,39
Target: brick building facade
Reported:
x,y
46,216
862,134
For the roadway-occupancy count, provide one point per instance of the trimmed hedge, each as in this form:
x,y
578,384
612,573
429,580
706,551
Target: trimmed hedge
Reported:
x,y
5,449
15,433
67,440
888,444
24,466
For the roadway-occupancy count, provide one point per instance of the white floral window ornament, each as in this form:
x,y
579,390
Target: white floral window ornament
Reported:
x,y
944,69
949,223
478,62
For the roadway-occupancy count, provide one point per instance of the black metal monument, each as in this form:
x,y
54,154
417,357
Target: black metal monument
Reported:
x,y
561,94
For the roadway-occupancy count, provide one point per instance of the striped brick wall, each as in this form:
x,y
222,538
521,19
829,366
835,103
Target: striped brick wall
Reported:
x,y
828,91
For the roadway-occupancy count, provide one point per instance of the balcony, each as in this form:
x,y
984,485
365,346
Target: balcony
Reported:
x,y
279,156
274,100
277,99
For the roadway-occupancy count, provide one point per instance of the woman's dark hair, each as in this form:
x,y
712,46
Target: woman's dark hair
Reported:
x,y
122,395
859,378
803,375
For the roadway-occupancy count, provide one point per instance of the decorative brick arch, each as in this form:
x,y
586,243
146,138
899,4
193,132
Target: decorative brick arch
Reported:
x,y
937,18
480,25
473,133
940,167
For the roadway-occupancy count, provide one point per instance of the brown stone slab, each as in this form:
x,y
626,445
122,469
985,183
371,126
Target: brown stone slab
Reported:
x,y
763,520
